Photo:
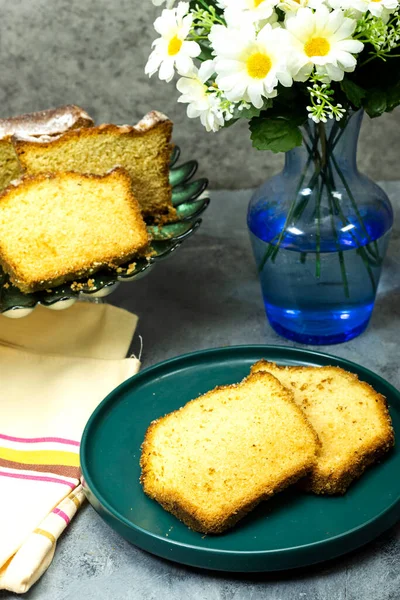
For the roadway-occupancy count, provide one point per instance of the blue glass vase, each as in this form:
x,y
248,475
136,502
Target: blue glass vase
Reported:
x,y
319,232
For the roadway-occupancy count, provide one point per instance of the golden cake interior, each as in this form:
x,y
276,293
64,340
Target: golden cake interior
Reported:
x,y
68,225
145,155
212,461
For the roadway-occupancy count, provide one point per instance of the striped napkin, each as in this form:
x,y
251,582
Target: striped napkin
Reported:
x,y
55,369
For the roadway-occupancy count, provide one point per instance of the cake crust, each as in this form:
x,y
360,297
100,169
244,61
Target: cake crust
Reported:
x,y
150,121
45,124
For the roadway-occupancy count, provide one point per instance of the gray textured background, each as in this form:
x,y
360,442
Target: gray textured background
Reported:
x,y
93,52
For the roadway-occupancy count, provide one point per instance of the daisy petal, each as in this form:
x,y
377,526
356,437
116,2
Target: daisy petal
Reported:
x,y
321,18
285,78
334,72
254,91
166,22
192,49
345,30
192,112
346,60
152,64
229,82
206,70
182,9
167,71
184,64
239,91
225,67
353,46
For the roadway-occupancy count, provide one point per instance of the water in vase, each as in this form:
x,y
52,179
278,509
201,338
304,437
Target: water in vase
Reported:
x,y
318,310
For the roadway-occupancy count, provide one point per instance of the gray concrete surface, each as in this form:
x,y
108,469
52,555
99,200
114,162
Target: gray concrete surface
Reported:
x,y
207,295
93,52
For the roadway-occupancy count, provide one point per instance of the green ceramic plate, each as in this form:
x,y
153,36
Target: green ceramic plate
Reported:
x,y
189,199
293,529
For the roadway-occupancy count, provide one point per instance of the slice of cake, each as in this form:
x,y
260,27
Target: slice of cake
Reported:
x,y
45,125
55,228
215,459
351,420
143,150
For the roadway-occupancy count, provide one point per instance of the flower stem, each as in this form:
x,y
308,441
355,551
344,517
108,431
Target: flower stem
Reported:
x,y
340,252
361,253
322,137
354,203
291,211
318,238
344,274
361,250
268,253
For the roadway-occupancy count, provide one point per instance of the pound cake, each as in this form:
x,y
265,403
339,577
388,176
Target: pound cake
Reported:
x,y
212,461
143,150
55,228
44,125
351,420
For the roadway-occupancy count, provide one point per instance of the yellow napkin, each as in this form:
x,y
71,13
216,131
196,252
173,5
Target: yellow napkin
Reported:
x,y
55,369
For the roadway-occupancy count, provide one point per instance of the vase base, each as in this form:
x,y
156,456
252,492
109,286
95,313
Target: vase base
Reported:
x,y
321,328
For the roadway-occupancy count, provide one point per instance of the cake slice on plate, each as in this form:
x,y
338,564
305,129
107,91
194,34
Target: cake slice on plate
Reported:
x,y
351,420
212,461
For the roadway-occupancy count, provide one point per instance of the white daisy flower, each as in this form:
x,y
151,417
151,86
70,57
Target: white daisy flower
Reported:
x,y
378,8
322,39
355,8
251,10
294,5
202,102
172,50
381,8
249,65
238,19
169,3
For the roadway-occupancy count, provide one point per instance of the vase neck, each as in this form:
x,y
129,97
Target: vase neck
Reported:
x,y
327,142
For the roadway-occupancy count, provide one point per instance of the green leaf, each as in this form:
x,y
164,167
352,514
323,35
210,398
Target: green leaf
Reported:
x,y
355,93
230,123
206,51
275,134
247,113
393,96
289,104
375,102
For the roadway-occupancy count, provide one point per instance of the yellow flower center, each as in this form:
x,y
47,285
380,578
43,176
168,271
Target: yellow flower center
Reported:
x,y
258,65
258,2
317,47
175,44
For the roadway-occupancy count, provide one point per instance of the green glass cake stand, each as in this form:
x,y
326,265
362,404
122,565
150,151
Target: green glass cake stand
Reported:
x,y
189,199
